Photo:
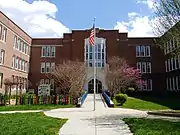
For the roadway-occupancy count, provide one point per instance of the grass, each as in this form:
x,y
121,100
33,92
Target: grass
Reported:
x,y
151,103
29,124
142,126
33,107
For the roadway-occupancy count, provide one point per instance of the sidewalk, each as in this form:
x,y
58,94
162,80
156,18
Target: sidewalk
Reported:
x,y
85,121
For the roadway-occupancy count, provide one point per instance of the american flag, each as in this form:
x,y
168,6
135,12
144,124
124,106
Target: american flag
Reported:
x,y
91,37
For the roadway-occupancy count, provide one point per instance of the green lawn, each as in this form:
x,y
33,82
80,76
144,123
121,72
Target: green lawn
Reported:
x,y
33,107
142,126
151,103
29,124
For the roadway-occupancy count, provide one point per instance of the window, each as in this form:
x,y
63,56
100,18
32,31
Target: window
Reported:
x,y
143,67
4,34
52,83
1,79
147,51
138,51
2,55
48,49
20,63
16,64
149,84
139,66
52,67
13,61
18,43
25,51
142,51
43,67
25,66
0,31
47,67
15,41
148,67
43,51
146,85
47,81
172,63
53,50
41,81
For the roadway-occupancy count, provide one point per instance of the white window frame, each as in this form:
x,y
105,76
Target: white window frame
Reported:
x,y
52,83
2,55
148,64
138,53
169,64
41,81
172,64
143,50
148,50
43,66
175,64
143,63
42,50
48,65
139,65
166,65
52,66
4,34
46,81
48,51
168,48
53,51
149,81
15,41
25,66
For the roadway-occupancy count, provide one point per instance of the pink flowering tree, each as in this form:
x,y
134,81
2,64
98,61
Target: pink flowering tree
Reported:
x,y
120,76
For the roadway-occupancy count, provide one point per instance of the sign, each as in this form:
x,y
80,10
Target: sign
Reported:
x,y
44,89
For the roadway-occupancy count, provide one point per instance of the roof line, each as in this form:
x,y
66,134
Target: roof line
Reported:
x,y
16,24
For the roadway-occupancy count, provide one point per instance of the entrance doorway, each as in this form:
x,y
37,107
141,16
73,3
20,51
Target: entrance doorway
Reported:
x,y
91,86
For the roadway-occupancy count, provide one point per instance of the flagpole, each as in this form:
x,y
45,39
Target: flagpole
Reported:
x,y
94,66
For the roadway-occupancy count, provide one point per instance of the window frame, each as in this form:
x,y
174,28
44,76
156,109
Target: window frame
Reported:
x,y
43,66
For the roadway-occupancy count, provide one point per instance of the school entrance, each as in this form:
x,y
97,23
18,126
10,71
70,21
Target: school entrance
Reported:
x,y
98,86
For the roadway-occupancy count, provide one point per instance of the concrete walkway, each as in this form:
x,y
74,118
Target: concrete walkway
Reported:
x,y
85,121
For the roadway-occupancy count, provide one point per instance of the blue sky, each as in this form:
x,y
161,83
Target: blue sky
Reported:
x,y
52,18
107,13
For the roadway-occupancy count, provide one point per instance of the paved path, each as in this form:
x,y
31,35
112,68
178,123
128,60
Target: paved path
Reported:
x,y
102,121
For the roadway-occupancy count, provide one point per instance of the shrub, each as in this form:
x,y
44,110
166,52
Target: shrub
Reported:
x,y
121,98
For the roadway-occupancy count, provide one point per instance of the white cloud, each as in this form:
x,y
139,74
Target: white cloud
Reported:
x,y
37,19
136,26
150,3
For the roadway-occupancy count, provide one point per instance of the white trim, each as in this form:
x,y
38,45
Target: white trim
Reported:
x,y
43,65
166,65
143,64
172,64
45,45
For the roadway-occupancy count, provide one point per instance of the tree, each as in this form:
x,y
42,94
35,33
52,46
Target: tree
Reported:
x,y
70,77
167,13
120,76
